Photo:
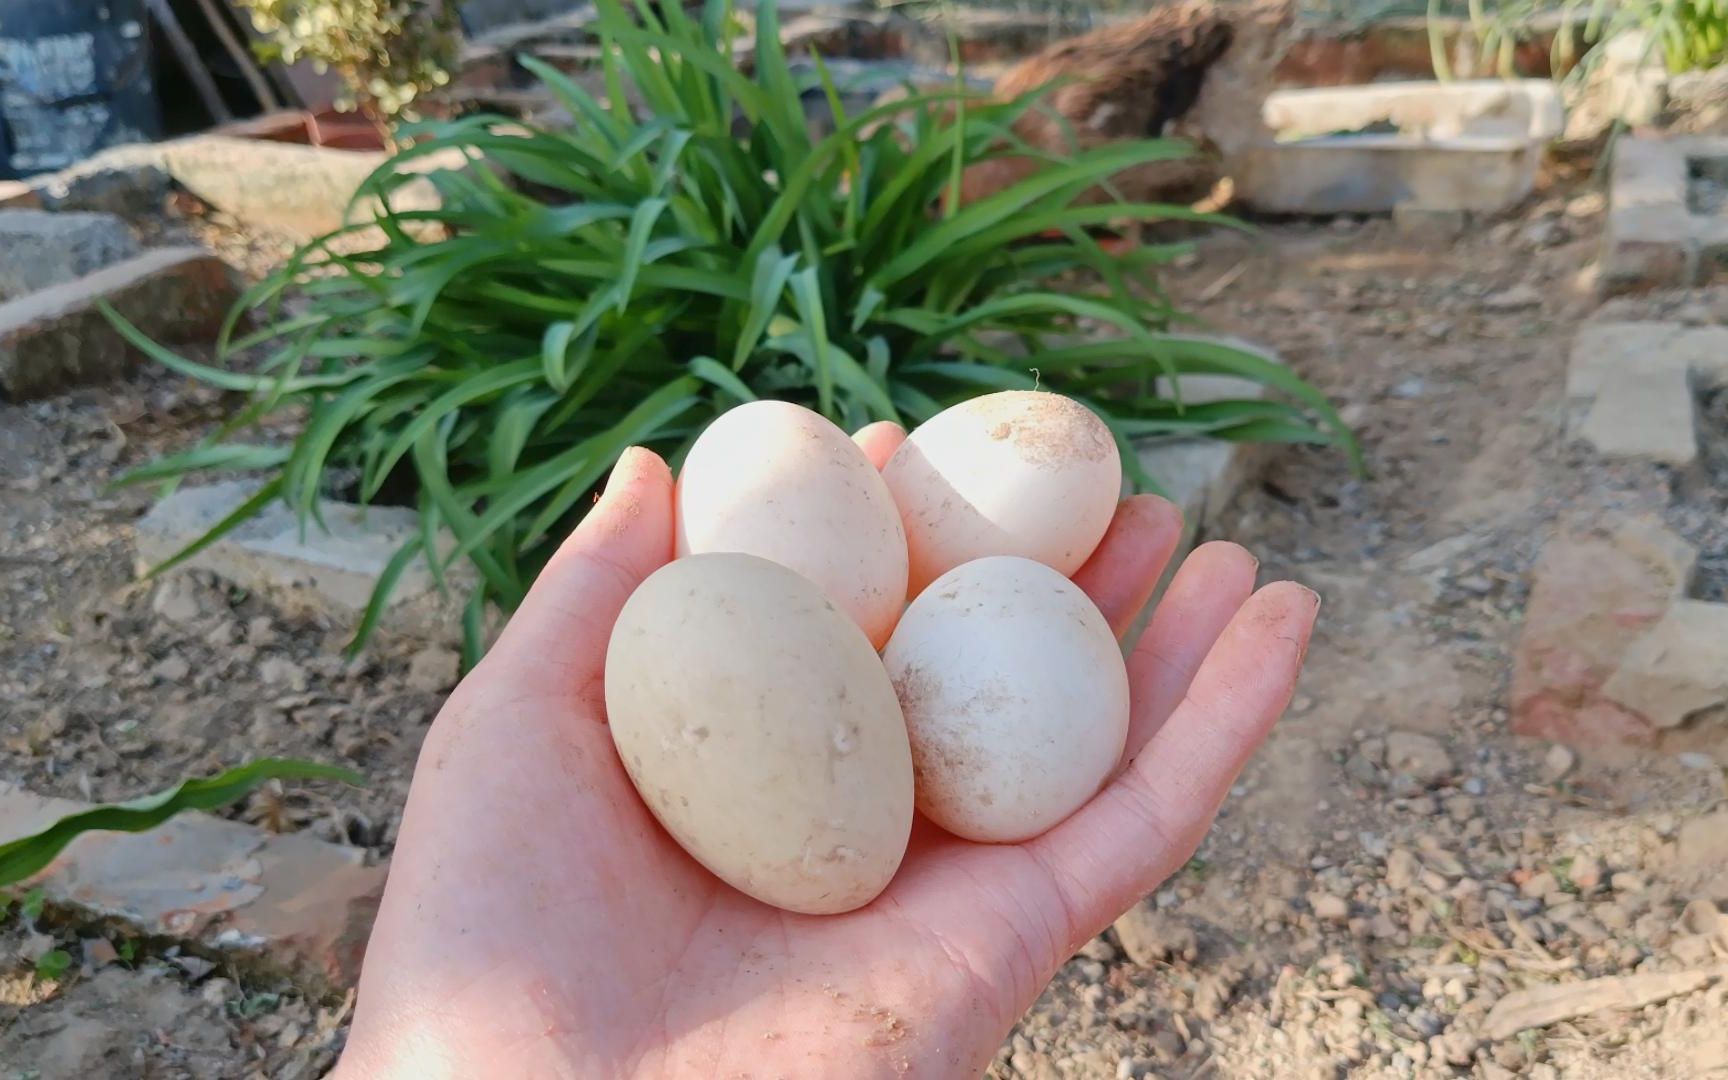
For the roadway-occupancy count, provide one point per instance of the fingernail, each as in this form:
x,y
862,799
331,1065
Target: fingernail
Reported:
x,y
1313,594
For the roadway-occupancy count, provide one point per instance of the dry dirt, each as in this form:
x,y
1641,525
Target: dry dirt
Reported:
x,y
1393,863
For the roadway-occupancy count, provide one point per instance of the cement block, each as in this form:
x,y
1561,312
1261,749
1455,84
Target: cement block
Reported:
x,y
39,249
295,902
58,338
328,572
1677,669
1654,238
1644,414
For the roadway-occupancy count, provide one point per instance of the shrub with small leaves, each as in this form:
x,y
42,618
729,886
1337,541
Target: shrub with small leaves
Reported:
x,y
389,52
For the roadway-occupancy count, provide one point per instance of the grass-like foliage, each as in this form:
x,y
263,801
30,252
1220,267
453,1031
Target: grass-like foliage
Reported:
x,y
689,245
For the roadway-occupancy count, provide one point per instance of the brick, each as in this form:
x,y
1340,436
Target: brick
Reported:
x,y
17,195
1679,668
1644,414
39,249
329,572
58,338
1591,597
292,901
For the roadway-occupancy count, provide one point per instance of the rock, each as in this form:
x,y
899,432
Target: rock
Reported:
x,y
39,249
1539,885
172,669
1590,599
328,573
1360,769
1587,873
1539,1006
178,600
1516,298
1692,950
1644,413
1625,881
1678,668
58,338
281,672
1421,756
434,670
1558,763
1549,233
1692,759
1150,936
1402,869
1703,917
302,904
1330,908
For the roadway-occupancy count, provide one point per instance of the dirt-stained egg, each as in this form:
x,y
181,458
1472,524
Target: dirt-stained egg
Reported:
x,y
1015,697
776,480
1015,473
759,726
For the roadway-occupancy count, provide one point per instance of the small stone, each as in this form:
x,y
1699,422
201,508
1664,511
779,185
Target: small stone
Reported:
x,y
280,671
434,670
1402,869
1516,298
1558,762
172,669
1691,759
99,952
196,967
1423,757
1361,770
1539,885
1545,234
217,992
1625,881
1460,808
1703,917
260,631
1100,950
1587,873
1151,937
1329,907
176,600
1693,950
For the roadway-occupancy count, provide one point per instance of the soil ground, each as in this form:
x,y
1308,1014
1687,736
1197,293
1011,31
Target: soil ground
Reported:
x,y
1346,917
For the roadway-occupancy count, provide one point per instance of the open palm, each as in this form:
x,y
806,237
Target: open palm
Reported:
x,y
538,922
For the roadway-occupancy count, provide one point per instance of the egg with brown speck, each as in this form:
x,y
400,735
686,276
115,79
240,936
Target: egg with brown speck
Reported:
x,y
1015,696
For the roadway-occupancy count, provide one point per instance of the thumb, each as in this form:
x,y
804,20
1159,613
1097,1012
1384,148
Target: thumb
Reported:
x,y
556,641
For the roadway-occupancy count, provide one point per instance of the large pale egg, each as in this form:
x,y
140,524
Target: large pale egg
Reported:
x,y
776,480
1015,696
759,726
1015,473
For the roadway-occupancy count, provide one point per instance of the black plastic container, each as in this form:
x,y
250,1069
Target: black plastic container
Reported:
x,y
75,78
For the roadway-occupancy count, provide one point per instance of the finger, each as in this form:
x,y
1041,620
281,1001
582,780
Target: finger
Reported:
x,y
1147,823
558,635
1206,593
1121,574
880,440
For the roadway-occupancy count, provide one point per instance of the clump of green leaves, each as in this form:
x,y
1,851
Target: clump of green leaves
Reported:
x,y
388,52
689,245
1685,35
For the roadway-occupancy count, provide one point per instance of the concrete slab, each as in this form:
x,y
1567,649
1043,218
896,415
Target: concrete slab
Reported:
x,y
331,573
291,900
1464,146
39,249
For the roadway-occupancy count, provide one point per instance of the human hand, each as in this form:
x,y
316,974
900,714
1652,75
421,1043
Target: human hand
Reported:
x,y
538,921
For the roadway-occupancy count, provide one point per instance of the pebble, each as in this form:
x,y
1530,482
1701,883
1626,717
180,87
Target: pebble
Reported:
x,y
1423,757
1539,885
1329,907
434,670
1151,937
1559,761
1587,873
1691,759
280,671
1474,786
1460,808
1516,298
172,669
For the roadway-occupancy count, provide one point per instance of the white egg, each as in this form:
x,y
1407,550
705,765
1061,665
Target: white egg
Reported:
x,y
1015,473
1015,697
779,481
758,725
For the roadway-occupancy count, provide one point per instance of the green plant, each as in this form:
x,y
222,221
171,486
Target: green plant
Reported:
x,y
1686,35
388,52
626,281
28,855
